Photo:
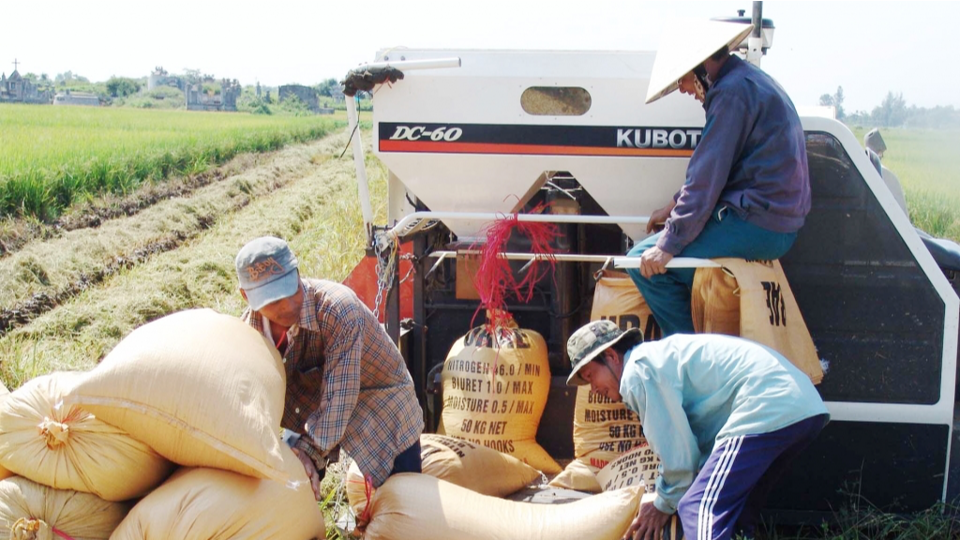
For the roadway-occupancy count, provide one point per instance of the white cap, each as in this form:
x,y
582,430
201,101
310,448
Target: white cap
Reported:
x,y
686,46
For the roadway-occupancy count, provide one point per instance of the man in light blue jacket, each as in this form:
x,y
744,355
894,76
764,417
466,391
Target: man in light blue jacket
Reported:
x,y
726,416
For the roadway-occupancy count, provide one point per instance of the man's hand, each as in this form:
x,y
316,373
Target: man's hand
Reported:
x,y
659,216
648,525
654,261
311,470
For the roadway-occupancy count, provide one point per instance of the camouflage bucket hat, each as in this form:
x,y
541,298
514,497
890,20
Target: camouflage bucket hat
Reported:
x,y
589,341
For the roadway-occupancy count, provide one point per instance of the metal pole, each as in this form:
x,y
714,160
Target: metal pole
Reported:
x,y
755,43
412,223
362,189
391,318
757,19
618,261
407,65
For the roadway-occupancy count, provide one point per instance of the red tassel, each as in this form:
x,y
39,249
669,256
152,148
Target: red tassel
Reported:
x,y
493,279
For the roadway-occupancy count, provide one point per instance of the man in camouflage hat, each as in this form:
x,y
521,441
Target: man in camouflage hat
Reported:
x,y
726,416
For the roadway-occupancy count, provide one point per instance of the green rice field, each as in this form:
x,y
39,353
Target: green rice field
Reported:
x,y
924,161
52,157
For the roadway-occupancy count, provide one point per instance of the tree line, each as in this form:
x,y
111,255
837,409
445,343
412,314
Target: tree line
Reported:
x,y
894,112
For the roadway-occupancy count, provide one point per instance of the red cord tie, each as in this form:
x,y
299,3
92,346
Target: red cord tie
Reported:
x,y
60,533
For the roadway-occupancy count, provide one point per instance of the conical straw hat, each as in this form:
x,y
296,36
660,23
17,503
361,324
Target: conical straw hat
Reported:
x,y
686,46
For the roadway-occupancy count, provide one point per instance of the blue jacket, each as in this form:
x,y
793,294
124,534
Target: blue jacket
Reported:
x,y
751,157
691,391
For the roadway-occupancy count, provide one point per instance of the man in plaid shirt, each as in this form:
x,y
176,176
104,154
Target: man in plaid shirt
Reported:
x,y
347,383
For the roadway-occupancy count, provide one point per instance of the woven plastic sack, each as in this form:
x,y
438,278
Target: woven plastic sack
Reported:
x,y
715,302
30,511
602,429
459,462
409,506
616,298
201,388
212,504
638,467
768,311
4,473
68,448
495,390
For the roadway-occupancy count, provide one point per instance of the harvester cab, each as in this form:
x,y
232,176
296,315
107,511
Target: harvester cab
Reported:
x,y
472,136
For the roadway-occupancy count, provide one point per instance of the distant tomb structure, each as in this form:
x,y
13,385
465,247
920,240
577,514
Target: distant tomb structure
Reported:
x,y
226,100
16,89
160,77
76,98
306,94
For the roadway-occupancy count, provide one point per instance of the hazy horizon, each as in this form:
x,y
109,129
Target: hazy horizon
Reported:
x,y
869,49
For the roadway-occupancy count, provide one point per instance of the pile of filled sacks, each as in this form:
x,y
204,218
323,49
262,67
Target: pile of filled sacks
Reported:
x,y
495,387
174,435
460,495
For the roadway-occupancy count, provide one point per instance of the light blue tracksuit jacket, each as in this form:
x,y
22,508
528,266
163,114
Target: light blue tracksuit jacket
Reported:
x,y
691,391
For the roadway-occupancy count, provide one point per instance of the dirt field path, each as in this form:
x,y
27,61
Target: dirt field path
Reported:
x,y
67,297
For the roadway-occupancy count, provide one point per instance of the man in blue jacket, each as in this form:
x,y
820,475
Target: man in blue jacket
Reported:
x,y
726,416
747,189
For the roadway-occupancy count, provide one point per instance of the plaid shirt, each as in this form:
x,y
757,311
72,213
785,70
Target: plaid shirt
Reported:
x,y
346,381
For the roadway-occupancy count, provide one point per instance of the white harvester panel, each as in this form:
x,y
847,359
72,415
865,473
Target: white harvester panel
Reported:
x,y
480,137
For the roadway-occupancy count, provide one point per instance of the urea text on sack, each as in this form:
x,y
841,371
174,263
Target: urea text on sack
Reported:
x,y
467,384
474,405
483,427
608,415
480,368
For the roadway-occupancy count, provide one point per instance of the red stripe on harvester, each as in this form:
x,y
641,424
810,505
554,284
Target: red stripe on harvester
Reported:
x,y
533,149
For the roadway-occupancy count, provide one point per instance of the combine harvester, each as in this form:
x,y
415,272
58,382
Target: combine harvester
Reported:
x,y
470,136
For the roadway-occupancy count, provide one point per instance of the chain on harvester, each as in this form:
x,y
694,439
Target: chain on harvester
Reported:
x,y
387,251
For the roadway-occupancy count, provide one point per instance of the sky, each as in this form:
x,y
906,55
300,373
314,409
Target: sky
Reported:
x,y
868,48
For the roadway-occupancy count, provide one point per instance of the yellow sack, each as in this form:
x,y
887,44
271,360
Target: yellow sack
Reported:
x,y
768,314
602,429
459,462
495,396
201,388
67,448
4,473
635,468
211,504
416,506
616,298
578,476
31,511
715,302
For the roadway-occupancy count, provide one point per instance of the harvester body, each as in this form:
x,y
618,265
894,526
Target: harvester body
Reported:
x,y
507,130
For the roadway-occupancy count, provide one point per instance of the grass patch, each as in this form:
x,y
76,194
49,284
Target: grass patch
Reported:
x,y
321,204
52,267
862,521
923,160
53,157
